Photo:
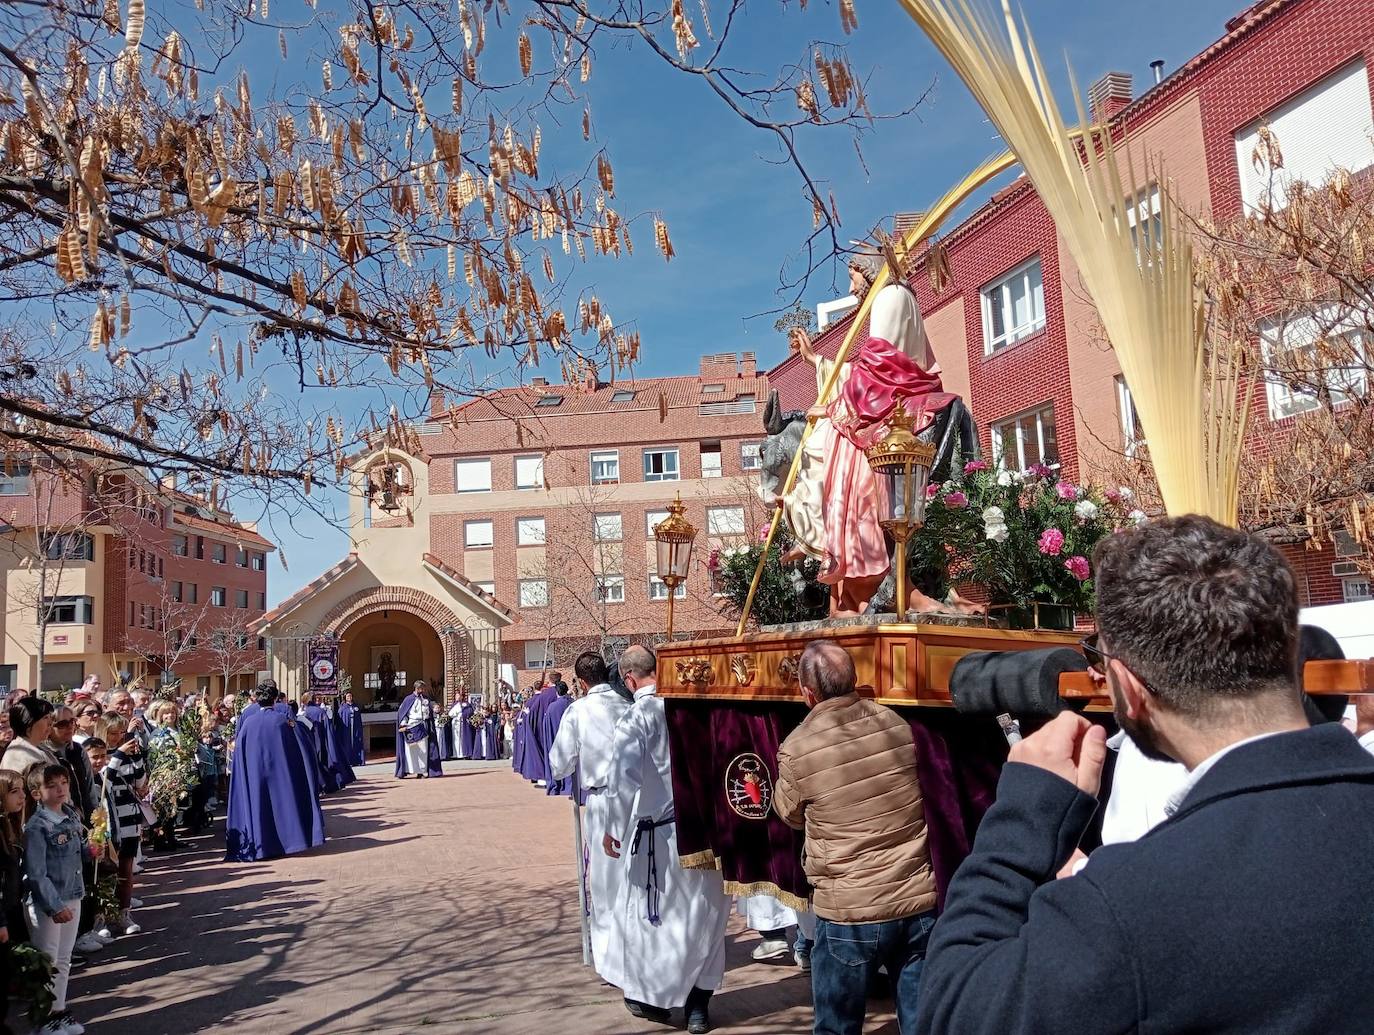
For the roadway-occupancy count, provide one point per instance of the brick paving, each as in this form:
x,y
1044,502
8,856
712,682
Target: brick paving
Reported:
x,y
443,905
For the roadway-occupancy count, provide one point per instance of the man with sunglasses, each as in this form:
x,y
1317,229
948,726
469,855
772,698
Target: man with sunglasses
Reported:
x,y
1248,905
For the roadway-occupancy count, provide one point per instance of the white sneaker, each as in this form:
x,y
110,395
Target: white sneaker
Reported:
x,y
135,903
53,1027
102,932
71,1025
88,942
771,950
803,960
127,925
138,866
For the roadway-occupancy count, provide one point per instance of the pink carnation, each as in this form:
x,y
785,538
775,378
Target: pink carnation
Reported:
x,y
1039,470
763,530
1113,496
1066,491
932,490
1078,568
714,561
1051,542
975,465
956,500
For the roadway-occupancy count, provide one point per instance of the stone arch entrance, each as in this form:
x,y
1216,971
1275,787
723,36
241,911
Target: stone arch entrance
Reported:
x,y
364,617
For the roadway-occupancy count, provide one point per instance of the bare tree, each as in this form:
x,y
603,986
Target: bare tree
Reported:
x,y
231,644
177,627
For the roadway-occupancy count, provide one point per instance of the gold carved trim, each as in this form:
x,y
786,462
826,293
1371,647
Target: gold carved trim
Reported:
x,y
789,669
763,887
743,668
694,671
704,860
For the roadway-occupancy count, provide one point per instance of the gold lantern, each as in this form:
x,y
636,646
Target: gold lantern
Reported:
x,y
673,536
903,462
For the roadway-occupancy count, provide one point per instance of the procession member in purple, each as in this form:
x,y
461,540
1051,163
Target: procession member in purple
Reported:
x,y
462,712
333,744
352,718
517,744
313,719
274,809
443,732
305,736
553,718
536,759
417,743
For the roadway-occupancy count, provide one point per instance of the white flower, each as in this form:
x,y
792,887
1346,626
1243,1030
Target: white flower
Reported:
x,y
1085,510
993,516
796,578
1126,494
1004,478
1138,516
997,533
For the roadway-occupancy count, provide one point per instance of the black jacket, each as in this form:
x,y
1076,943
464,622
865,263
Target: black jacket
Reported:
x,y
1250,910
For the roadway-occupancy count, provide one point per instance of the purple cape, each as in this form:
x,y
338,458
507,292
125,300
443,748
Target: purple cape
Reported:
x,y
517,747
331,748
489,746
435,765
552,719
535,761
445,736
351,716
274,809
466,734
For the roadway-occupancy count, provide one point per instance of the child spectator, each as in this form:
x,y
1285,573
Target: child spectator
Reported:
x,y
12,927
125,779
54,841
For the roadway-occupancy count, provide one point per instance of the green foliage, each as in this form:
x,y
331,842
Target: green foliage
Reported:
x,y
172,769
29,972
787,593
1002,530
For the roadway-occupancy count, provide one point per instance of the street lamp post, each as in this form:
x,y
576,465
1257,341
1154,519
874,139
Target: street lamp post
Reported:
x,y
903,462
673,536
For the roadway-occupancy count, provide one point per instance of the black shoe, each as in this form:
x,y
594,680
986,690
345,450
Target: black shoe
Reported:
x,y
699,1022
649,1013
637,1009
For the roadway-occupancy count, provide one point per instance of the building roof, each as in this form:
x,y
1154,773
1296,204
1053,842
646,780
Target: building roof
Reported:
x,y
326,578
524,401
487,598
231,531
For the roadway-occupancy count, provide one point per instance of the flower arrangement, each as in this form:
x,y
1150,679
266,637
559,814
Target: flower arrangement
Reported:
x,y
1024,535
478,718
172,768
787,592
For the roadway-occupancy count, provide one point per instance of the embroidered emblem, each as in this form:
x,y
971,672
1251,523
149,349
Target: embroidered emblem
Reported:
x,y
748,787
63,838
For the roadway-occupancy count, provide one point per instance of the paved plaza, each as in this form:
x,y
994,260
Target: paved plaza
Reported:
x,y
442,905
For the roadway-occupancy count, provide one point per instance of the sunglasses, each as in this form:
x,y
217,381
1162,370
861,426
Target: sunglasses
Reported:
x,y
1098,658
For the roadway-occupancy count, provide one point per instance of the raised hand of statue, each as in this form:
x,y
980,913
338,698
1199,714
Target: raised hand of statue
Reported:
x,y
798,340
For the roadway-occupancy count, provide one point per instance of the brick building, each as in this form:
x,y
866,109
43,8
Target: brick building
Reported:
x,y
1013,330
125,579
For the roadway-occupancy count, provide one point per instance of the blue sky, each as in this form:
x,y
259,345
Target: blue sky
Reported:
x,y
736,216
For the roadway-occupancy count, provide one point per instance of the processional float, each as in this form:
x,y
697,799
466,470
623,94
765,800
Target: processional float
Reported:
x,y
731,701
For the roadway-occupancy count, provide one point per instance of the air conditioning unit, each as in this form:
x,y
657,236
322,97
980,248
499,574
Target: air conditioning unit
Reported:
x,y
1341,569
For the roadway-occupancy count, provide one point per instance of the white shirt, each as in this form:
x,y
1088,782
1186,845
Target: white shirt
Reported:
x,y
585,737
1200,770
641,782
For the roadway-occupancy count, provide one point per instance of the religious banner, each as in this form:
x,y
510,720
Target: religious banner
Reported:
x,y
324,667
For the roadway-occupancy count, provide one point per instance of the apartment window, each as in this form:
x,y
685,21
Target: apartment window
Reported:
x,y
1020,442
651,519
658,589
712,389
259,561
67,610
537,654
534,593
1323,128
1354,590
262,643
1142,210
192,593
478,535
241,599
725,520
1346,545
217,596
15,478
1131,436
133,557
178,592
262,601
605,467
488,588
740,404
143,616
142,562
660,465
472,475
529,531
180,546
219,553
159,567
549,401
1013,307
610,589
69,546
750,456
200,548
607,528
241,558
529,472
1309,357
710,460
623,396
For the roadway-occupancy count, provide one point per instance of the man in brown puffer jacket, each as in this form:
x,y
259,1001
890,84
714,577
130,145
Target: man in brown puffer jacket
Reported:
x,y
847,776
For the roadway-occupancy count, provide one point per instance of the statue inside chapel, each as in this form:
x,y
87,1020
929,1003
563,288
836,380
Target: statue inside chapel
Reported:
x,y
386,677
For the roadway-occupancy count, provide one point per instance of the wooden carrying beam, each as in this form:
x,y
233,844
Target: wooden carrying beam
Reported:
x,y
1319,678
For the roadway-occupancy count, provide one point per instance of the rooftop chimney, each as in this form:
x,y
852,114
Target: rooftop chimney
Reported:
x,y
1157,66
748,365
436,403
1109,95
539,382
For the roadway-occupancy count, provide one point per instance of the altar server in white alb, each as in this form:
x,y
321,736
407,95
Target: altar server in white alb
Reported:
x,y
417,741
583,746
674,918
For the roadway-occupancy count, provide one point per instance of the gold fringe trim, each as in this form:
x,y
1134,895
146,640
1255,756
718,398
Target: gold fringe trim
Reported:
x,y
700,861
763,887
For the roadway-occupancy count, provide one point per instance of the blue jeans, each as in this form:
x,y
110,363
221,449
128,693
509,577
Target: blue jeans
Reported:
x,y
846,955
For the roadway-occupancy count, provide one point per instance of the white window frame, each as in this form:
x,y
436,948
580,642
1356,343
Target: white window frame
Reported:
x,y
471,543
652,518
543,659
999,293
538,595
1143,207
219,596
1356,589
529,479
602,528
721,521
489,588
1131,437
1018,419
604,456
665,475
658,589
472,464
715,469
610,589
525,534
751,456
16,478
1303,333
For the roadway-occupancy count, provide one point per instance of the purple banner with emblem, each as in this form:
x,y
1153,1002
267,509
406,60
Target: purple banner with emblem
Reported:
x,y
324,667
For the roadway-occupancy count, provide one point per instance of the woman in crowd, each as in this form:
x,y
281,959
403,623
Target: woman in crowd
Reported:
x,y
13,930
126,777
87,712
31,719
